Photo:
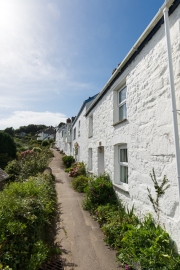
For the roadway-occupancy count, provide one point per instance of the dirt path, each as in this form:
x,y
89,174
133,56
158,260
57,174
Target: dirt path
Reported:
x,y
79,235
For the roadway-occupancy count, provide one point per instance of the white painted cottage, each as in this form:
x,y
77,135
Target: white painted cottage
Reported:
x,y
63,139
79,132
129,127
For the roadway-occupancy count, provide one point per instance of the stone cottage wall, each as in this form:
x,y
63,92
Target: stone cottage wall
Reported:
x,y
148,131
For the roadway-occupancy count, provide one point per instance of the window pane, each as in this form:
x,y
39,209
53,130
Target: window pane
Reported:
x,y
124,174
123,155
122,95
122,112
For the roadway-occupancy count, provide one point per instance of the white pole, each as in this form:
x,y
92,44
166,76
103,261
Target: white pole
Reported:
x,y
173,98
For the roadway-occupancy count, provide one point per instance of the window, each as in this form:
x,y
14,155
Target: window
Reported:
x,y
123,164
74,134
122,103
91,126
79,125
90,159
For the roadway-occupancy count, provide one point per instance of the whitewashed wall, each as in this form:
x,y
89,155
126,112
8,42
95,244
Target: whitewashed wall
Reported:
x,y
148,132
81,136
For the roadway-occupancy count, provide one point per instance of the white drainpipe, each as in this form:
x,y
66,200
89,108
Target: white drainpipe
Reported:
x,y
173,98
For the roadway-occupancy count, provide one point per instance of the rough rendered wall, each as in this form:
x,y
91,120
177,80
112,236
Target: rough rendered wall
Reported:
x,y
148,130
81,137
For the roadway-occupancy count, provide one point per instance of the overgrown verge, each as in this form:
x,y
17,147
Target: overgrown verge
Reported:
x,y
140,245
29,163
26,211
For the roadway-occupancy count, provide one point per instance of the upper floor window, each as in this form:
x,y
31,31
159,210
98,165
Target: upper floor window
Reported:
x,y
91,126
122,103
79,125
74,134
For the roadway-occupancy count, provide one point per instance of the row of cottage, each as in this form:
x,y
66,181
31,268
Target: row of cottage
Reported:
x,y
128,128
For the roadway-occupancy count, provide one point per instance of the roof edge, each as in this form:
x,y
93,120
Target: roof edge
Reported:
x,y
134,49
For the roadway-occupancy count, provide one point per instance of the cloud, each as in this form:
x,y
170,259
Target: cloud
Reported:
x,y
24,118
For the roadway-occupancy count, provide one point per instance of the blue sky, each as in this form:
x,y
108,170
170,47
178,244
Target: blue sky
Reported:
x,y
55,54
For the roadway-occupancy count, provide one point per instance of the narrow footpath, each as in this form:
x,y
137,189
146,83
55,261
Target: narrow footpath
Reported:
x,y
80,237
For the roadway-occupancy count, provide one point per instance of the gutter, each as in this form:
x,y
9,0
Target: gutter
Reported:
x,y
137,46
173,97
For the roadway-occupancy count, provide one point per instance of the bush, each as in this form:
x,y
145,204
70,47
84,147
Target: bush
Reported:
x,y
29,163
45,143
68,161
37,149
77,169
80,183
99,192
148,246
26,210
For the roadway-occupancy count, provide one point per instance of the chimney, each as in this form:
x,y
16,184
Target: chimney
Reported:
x,y
72,118
68,121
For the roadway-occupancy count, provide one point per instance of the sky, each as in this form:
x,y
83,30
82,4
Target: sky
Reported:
x,y
55,54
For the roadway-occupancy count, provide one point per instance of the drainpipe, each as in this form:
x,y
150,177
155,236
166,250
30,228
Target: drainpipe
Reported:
x,y
173,98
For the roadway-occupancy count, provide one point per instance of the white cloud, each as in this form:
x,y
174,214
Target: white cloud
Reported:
x,y
24,118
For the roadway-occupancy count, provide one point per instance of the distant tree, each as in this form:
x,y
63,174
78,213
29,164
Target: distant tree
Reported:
x,y
32,129
61,124
7,149
7,145
10,131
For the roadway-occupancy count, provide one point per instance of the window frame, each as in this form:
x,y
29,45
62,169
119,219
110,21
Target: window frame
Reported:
x,y
90,126
79,126
122,163
74,133
122,103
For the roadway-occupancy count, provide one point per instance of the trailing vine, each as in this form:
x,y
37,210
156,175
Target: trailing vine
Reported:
x,y
159,189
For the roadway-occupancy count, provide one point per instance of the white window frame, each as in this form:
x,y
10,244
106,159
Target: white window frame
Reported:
x,y
121,103
90,159
74,133
79,125
91,125
122,163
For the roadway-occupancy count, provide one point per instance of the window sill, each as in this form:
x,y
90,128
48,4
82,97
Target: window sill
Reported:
x,y
119,122
90,136
122,186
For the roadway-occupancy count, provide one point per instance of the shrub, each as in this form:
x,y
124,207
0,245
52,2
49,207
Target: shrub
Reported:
x,y
45,143
77,169
68,161
26,210
99,192
148,246
79,183
37,149
30,163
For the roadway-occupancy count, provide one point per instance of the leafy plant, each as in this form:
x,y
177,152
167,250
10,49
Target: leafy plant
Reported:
x,y
29,163
26,211
147,246
45,143
77,168
99,192
68,161
80,183
160,191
